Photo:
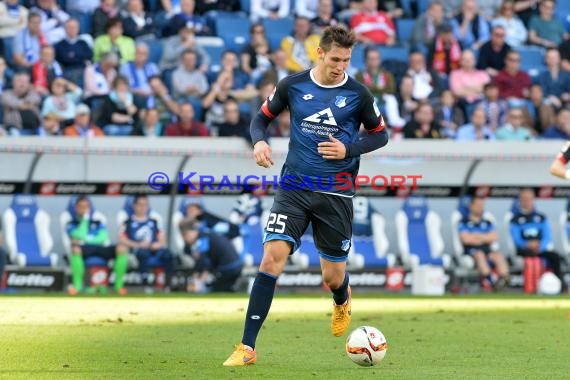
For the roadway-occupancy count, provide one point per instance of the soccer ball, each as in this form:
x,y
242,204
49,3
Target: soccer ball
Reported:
x,y
366,346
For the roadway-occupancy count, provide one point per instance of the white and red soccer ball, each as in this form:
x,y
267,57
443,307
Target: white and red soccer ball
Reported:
x,y
366,346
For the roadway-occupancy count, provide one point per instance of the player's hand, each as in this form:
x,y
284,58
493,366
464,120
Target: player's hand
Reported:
x,y
262,154
333,149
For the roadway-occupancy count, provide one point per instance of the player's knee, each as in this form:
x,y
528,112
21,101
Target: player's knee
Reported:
x,y
275,256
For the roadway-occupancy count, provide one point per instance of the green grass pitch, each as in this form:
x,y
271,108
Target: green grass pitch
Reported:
x,y
173,337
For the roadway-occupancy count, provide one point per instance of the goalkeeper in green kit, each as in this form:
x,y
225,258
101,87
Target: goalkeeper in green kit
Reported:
x,y
89,243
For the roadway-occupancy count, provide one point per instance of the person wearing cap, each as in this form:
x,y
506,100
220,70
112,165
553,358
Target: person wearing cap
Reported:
x,y
83,126
51,125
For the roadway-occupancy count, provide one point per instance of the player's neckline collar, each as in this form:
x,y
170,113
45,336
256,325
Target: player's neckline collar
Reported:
x,y
325,86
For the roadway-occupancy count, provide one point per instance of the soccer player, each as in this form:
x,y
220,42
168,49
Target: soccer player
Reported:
x,y
327,109
89,238
143,235
558,166
478,235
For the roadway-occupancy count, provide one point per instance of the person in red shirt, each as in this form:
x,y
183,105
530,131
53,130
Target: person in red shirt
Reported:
x,y
372,26
186,125
511,81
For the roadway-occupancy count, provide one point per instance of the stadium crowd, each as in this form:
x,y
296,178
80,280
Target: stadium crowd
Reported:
x,y
455,69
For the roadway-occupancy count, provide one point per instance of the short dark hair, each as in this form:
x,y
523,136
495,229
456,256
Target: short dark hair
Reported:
x,y
112,22
81,198
475,198
139,197
339,35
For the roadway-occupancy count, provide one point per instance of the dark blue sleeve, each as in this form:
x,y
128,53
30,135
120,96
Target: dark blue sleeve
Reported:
x,y
516,233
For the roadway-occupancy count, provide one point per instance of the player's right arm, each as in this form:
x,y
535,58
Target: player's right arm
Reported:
x,y
269,110
558,166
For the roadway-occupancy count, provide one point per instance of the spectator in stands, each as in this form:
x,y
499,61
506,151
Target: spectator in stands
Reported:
x,y
151,125
467,83
45,70
6,75
282,126
477,130
89,238
65,95
451,7
377,80
188,82
515,31
114,41
21,106
119,113
271,9
301,47
234,125
444,54
143,236
278,69
186,17
53,19
512,82
493,53
546,30
213,102
406,104
99,77
28,41
255,57
86,7
138,24
514,130
218,264
108,10
449,115
470,27
50,126
554,81
83,126
308,8
426,82
325,17
186,126
161,100
73,53
539,109
525,9
494,107
138,73
13,18
372,26
230,66
394,8
489,8
561,129
531,233
175,46
423,126
478,235
426,27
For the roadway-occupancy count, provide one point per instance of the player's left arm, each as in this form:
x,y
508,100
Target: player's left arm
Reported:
x,y
558,166
376,138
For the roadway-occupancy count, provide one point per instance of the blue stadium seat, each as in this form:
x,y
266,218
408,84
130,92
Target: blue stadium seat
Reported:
x,y
234,31
215,53
67,216
394,52
369,241
419,234
357,60
532,59
154,50
404,28
276,29
27,233
423,5
248,213
245,5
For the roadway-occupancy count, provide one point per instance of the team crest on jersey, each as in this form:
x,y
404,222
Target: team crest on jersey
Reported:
x,y
345,245
340,101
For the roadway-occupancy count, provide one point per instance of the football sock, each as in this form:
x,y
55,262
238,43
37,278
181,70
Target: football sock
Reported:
x,y
258,308
490,279
340,295
77,271
121,264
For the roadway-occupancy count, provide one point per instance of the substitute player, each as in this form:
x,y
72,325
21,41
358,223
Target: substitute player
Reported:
x,y
558,166
327,108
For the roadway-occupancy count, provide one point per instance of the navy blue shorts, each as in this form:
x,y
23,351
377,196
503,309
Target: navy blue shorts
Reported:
x,y
330,217
471,249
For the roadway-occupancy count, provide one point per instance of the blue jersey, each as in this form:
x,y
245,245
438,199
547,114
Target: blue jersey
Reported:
x,y
142,230
483,226
531,226
318,111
